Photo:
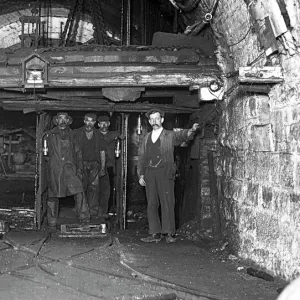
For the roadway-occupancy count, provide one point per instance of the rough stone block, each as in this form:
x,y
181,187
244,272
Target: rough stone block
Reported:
x,y
274,168
259,108
286,166
250,165
262,166
238,168
294,131
281,200
297,175
267,230
248,220
252,194
262,138
267,197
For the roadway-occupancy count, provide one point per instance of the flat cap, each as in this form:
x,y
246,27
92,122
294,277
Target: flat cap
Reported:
x,y
103,118
90,115
155,110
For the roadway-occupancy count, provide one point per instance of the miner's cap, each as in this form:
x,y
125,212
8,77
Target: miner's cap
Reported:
x,y
55,118
154,110
90,115
103,118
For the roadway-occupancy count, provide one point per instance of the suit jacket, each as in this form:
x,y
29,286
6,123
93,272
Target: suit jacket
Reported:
x,y
168,140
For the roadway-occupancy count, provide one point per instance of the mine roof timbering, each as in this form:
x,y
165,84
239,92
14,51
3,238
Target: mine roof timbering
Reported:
x,y
91,66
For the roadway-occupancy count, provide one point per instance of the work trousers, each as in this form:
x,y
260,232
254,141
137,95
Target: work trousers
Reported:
x,y
105,190
80,205
91,185
160,192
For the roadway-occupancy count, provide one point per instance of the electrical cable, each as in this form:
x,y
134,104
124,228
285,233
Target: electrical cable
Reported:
x,y
243,38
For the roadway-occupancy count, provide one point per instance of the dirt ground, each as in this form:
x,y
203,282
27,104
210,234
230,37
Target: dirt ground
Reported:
x,y
42,265
117,265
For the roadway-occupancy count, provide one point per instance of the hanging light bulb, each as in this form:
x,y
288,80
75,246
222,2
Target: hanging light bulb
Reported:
x,y
45,146
118,148
139,125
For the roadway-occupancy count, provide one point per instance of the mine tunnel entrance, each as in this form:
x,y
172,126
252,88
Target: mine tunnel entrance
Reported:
x,y
127,203
24,172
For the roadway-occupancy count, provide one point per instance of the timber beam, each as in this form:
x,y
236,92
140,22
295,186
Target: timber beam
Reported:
x,y
92,69
266,74
88,105
115,76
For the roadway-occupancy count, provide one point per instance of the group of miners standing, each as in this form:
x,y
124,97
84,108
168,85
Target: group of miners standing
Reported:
x,y
81,162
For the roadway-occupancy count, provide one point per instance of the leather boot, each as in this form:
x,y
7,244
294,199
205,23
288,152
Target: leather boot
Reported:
x,y
82,206
52,211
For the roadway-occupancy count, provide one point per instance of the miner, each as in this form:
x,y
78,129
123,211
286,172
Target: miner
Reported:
x,y
107,181
92,147
65,169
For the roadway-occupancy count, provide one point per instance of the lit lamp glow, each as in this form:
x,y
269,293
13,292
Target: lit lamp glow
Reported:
x,y
118,148
139,125
35,74
45,147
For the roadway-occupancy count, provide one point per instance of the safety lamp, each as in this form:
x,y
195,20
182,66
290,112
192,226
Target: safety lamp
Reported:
x,y
35,72
118,148
139,125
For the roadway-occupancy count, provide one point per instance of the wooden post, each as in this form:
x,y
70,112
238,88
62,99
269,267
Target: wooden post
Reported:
x,y
9,152
199,189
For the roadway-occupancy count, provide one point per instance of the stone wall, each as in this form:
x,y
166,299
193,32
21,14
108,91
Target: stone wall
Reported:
x,y
259,162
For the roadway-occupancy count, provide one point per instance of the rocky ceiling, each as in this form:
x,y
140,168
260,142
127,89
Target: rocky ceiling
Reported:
x,y
133,33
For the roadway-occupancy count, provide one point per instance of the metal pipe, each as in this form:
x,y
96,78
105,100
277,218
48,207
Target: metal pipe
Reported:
x,y
122,23
128,23
143,35
125,163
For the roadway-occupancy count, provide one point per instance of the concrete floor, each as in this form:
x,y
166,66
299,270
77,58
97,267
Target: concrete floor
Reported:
x,y
119,266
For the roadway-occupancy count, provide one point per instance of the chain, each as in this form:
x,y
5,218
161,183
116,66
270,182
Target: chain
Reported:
x,y
73,31
70,17
100,35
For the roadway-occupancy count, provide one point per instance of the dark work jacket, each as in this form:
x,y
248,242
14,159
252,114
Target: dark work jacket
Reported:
x,y
168,140
110,139
79,135
64,160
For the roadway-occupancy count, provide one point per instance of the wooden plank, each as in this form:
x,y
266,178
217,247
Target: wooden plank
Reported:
x,y
151,56
256,88
9,71
261,74
134,80
89,105
115,69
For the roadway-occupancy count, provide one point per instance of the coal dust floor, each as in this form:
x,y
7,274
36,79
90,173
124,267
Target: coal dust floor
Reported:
x,y
40,265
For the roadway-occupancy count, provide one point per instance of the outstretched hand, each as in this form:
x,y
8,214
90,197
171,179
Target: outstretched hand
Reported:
x,y
142,181
195,127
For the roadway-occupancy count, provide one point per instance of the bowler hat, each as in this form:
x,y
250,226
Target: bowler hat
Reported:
x,y
55,118
103,118
155,110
